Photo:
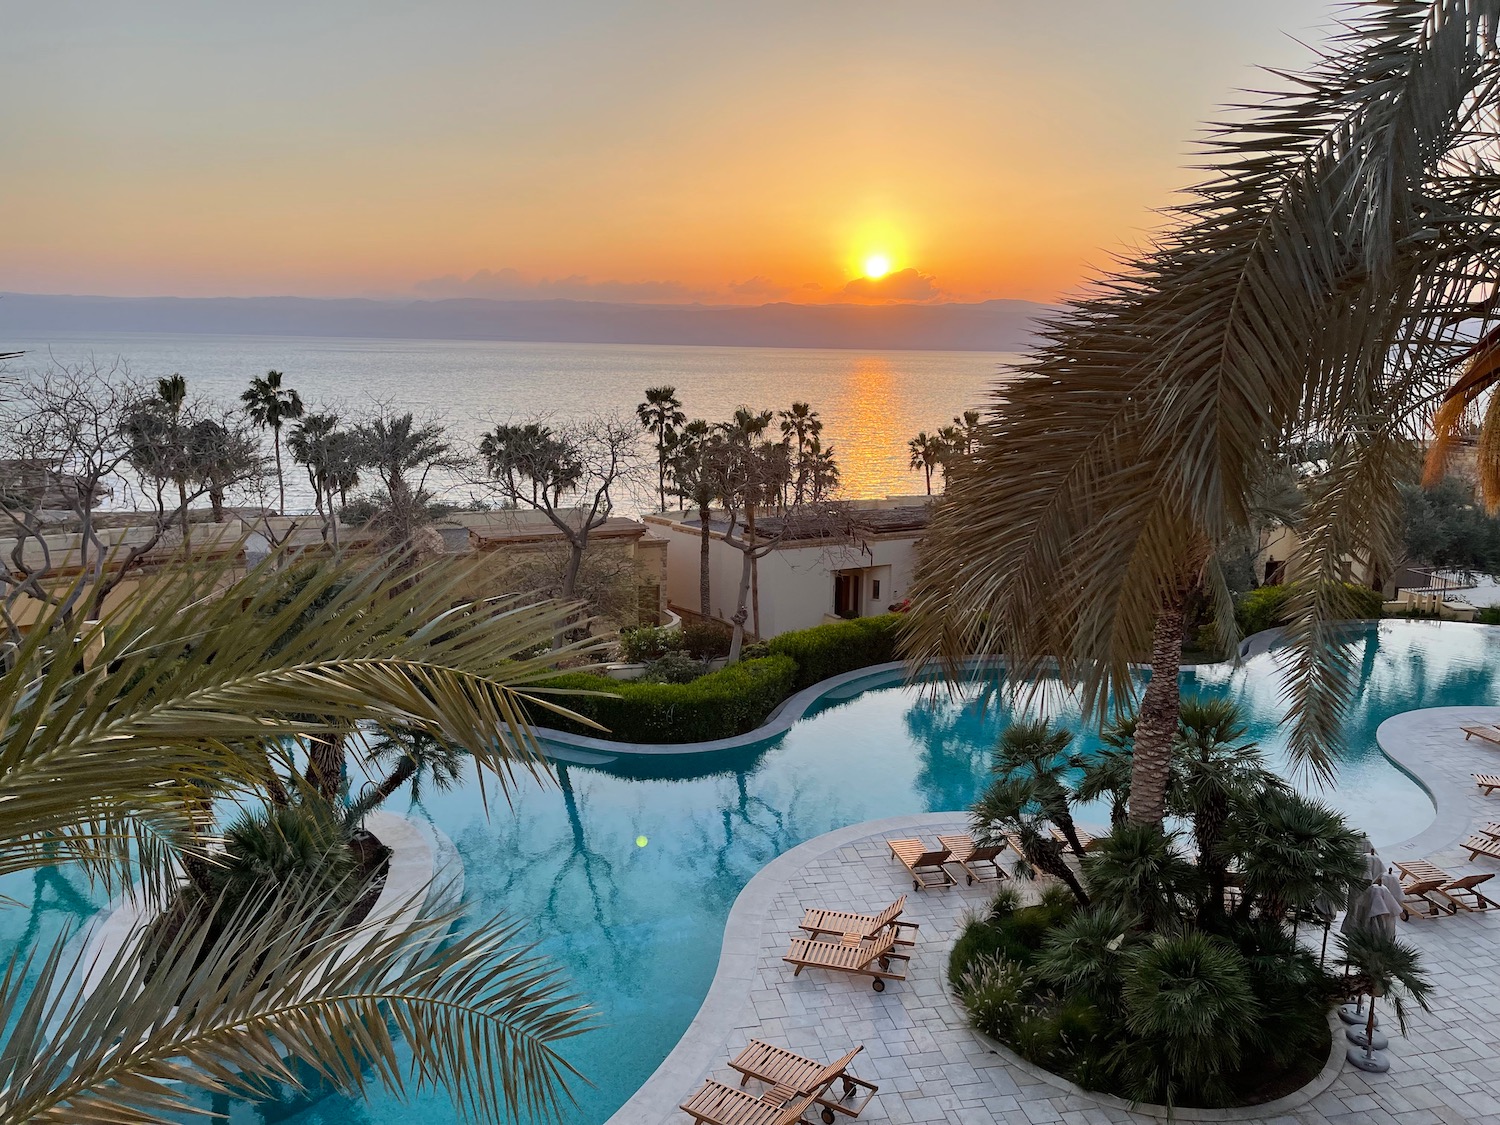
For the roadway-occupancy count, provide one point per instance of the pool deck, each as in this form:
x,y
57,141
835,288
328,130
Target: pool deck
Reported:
x,y
931,1067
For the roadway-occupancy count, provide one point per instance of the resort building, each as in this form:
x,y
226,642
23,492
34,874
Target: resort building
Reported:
x,y
810,576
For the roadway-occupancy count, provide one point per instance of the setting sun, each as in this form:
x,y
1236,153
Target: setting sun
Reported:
x,y
877,266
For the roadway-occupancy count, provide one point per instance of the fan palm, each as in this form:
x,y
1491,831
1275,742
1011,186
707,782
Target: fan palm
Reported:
x,y
1086,954
109,737
1211,769
1292,851
1191,1013
1136,869
1318,278
1389,968
661,415
271,406
1010,806
1106,772
1032,750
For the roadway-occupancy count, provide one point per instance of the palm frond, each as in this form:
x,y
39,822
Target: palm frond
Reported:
x,y
1341,225
482,1015
184,689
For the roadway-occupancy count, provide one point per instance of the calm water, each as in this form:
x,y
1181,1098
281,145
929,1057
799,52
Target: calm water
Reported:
x,y
639,928
871,402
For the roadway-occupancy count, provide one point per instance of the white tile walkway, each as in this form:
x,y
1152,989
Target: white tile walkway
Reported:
x,y
931,1067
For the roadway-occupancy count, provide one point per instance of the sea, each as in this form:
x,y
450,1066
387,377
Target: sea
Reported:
x,y
871,403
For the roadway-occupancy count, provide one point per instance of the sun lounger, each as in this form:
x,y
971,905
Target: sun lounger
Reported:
x,y
858,958
1488,782
1421,882
1492,830
718,1104
1083,838
1463,892
841,922
1478,846
1487,732
836,1089
926,867
973,857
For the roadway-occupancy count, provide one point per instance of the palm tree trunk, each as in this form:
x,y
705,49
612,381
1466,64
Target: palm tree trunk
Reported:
x,y
325,765
928,470
703,568
182,515
1156,725
737,640
1046,855
754,574
280,480
661,475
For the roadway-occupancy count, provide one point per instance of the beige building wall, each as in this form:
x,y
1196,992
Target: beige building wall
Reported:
x,y
797,584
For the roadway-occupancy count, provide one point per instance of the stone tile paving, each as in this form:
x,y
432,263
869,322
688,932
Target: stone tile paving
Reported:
x,y
931,1067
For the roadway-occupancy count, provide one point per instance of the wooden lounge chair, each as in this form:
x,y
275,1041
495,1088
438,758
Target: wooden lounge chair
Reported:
x,y
972,857
841,922
836,1089
1486,732
1083,838
859,958
1421,885
1463,894
926,867
1478,846
1492,830
718,1104
1488,782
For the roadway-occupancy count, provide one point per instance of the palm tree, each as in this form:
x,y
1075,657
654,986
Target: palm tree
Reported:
x,y
1136,868
411,758
697,465
927,452
1106,773
801,429
1011,807
271,406
968,427
661,415
112,732
1212,769
1191,1012
1389,968
1032,750
1286,297
1292,851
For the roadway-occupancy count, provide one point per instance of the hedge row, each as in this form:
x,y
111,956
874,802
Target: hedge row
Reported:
x,y
1266,606
731,701
843,646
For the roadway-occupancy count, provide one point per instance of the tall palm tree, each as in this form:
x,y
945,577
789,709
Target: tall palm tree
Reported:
x,y
661,415
968,427
801,429
110,734
926,453
1036,751
697,463
1289,295
271,406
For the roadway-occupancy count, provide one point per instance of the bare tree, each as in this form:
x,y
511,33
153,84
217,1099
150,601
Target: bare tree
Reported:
x,y
573,475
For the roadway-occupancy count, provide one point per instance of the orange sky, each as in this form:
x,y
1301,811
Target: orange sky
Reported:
x,y
660,151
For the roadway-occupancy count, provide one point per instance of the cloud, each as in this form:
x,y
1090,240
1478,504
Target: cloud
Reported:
x,y
759,286
509,284
903,285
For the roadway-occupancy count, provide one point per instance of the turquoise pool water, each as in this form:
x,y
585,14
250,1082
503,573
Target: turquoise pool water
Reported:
x,y
638,928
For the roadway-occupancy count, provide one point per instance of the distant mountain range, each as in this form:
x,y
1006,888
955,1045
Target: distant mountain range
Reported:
x,y
981,326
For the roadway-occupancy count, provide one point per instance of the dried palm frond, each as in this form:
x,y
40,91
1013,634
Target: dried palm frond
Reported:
x,y
284,984
1342,227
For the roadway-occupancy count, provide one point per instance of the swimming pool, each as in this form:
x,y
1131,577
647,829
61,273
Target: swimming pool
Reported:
x,y
638,927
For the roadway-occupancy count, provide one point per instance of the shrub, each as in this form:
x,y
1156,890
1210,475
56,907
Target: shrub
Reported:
x,y
649,642
1266,606
706,640
1489,615
994,990
827,650
675,668
731,701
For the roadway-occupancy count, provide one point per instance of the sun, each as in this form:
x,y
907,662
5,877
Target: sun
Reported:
x,y
877,266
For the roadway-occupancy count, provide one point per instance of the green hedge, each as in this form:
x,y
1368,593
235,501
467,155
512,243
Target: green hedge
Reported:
x,y
731,701
1266,607
843,646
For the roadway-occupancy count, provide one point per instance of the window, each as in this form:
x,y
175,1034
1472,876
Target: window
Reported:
x,y
875,590
846,588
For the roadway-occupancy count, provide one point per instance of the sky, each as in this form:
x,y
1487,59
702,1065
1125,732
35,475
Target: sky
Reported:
x,y
690,151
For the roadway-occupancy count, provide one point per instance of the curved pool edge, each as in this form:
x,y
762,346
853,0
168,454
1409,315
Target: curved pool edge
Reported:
x,y
588,750
700,1049
1425,744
